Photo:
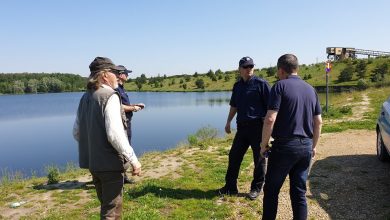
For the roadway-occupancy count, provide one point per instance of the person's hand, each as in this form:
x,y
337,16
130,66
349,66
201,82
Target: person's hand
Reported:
x,y
136,108
136,169
142,105
227,128
264,148
314,152
136,172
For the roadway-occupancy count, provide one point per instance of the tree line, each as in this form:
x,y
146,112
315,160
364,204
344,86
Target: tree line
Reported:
x,y
21,83
365,76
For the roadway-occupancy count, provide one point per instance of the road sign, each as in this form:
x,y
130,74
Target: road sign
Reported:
x,y
328,67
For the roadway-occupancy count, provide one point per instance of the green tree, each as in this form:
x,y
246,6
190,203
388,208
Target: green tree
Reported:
x,y
18,87
139,85
210,74
43,85
218,72
361,69
199,83
346,74
55,85
271,71
382,69
32,86
5,88
196,74
378,74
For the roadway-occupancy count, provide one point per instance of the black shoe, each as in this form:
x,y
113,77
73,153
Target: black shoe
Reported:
x,y
126,180
224,191
253,194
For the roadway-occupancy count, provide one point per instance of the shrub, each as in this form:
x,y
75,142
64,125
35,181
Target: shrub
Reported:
x,y
271,71
199,83
362,84
346,110
202,137
53,174
206,133
192,140
346,74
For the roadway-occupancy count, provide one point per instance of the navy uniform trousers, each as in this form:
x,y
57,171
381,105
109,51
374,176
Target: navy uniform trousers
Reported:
x,y
248,134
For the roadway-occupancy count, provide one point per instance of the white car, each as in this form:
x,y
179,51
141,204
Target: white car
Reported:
x,y
383,132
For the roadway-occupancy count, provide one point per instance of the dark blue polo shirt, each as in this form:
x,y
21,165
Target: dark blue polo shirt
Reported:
x,y
124,99
250,98
296,103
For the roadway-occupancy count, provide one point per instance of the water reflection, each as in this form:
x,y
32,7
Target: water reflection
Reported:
x,y
213,102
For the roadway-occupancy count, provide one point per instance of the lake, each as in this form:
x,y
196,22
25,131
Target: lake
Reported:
x,y
36,130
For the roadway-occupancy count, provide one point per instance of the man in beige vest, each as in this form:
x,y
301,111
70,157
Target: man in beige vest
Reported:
x,y
100,129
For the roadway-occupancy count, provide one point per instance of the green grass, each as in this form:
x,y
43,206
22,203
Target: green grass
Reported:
x,y
376,95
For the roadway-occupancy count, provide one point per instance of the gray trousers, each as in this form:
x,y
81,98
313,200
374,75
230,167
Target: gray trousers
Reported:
x,y
109,190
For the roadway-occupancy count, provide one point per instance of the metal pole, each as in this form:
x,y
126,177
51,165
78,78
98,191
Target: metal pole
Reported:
x,y
327,91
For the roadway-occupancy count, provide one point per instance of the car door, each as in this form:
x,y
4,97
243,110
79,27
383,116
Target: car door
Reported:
x,y
384,123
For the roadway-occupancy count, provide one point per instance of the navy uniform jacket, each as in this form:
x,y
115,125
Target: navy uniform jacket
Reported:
x,y
250,98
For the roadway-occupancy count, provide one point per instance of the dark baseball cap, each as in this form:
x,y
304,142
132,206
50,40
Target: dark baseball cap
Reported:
x,y
123,70
246,61
101,63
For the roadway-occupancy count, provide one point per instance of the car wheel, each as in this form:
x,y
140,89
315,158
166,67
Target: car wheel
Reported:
x,y
381,151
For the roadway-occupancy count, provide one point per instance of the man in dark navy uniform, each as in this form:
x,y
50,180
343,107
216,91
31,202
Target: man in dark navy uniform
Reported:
x,y
129,108
249,100
294,120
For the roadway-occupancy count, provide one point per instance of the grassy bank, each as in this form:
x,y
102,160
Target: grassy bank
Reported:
x,y
187,192
353,100
314,74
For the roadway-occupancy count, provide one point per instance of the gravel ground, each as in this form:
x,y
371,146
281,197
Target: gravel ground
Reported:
x,y
347,181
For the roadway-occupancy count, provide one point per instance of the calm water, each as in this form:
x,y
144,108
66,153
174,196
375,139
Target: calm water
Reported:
x,y
36,130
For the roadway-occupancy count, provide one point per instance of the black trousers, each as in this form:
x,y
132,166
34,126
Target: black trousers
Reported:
x,y
129,130
248,134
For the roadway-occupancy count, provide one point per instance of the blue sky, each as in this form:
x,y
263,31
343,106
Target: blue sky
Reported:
x,y
182,36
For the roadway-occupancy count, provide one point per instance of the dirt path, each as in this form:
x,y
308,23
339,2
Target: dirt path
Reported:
x,y
358,110
347,181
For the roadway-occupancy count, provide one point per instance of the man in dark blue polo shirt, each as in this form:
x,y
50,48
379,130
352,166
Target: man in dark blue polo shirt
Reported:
x,y
129,108
294,120
249,100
